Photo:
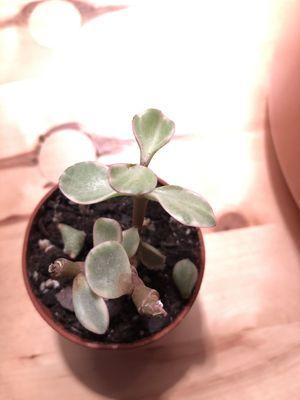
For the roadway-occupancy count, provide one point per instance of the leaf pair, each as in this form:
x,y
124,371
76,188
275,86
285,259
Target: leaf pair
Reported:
x,y
185,206
152,130
91,182
108,275
107,266
107,229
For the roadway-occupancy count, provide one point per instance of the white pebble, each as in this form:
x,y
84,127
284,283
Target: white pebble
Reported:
x,y
45,245
43,287
51,284
35,275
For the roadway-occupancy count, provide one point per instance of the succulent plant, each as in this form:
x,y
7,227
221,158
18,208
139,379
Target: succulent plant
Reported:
x,y
72,238
110,269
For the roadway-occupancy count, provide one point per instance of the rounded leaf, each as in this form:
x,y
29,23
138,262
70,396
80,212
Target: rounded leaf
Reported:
x,y
185,276
106,229
86,183
132,179
185,206
151,257
108,271
90,309
73,239
65,298
131,241
152,130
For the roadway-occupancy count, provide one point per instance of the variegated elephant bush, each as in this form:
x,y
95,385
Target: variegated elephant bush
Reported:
x,y
110,269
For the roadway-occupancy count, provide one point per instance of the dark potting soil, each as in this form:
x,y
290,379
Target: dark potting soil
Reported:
x,y
173,239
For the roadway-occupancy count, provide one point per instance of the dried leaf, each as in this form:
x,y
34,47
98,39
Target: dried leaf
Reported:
x,y
63,268
146,300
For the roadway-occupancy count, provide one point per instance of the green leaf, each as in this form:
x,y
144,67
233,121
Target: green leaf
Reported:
x,y
65,298
132,179
131,240
152,130
185,206
90,309
86,183
185,275
151,257
108,271
106,229
73,239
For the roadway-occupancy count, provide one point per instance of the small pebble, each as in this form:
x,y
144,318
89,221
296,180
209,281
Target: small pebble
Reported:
x,y
149,224
45,245
48,284
52,284
43,287
146,221
35,276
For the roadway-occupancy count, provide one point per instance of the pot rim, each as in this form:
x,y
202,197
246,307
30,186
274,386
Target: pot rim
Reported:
x,y
59,328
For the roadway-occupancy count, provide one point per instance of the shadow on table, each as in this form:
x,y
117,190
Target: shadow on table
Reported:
x,y
146,372
285,201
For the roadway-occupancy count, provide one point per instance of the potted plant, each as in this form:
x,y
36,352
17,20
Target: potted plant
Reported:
x,y
114,257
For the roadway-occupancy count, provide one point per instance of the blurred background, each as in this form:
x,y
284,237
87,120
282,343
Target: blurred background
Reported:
x,y
73,74
73,66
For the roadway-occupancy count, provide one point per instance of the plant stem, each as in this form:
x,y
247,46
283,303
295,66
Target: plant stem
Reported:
x,y
63,268
139,209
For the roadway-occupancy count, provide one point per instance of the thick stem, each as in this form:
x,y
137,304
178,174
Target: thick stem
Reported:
x,y
139,209
63,268
146,300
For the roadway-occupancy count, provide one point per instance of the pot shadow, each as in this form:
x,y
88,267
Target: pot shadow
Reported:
x,y
287,205
145,372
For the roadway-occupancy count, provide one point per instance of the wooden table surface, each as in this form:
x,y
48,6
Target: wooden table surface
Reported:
x,y
241,339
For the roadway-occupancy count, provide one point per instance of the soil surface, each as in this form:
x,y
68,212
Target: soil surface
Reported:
x,y
173,239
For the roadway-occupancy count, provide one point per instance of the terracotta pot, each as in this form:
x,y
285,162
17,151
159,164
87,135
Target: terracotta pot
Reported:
x,y
284,100
47,316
